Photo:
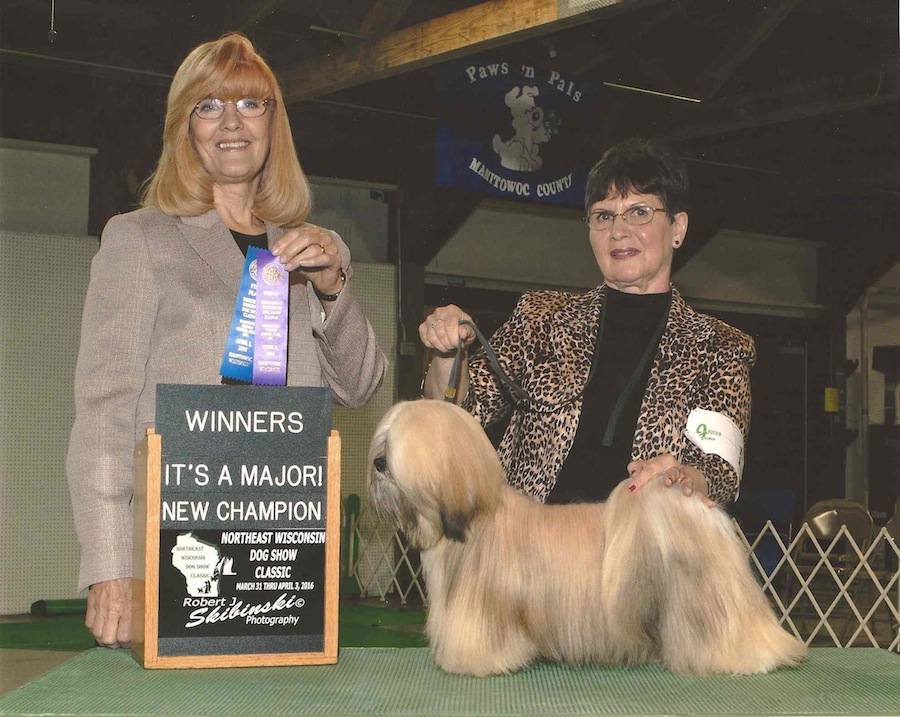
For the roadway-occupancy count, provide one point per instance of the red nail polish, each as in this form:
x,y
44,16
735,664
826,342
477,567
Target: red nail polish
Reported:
x,y
632,488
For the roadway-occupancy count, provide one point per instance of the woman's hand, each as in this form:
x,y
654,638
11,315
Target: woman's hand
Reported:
x,y
442,330
312,250
108,615
689,479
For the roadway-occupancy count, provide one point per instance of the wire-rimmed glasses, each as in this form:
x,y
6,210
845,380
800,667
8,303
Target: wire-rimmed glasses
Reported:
x,y
602,219
212,108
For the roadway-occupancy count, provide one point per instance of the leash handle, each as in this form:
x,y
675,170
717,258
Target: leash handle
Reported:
x,y
517,393
450,391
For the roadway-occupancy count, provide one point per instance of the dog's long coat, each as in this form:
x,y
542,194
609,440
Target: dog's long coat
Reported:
x,y
648,576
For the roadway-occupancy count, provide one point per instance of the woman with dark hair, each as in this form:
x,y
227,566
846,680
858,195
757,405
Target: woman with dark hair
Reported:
x,y
625,381
163,289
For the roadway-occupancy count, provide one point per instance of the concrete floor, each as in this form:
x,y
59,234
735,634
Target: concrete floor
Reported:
x,y
20,666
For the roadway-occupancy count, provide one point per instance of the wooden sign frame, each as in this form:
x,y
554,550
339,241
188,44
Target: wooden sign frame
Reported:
x,y
145,583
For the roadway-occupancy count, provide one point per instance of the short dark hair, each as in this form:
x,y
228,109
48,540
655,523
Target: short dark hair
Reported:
x,y
642,166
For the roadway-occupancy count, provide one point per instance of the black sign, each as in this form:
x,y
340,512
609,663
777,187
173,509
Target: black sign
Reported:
x,y
242,519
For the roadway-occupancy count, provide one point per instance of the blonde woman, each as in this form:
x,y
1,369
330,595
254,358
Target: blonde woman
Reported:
x,y
163,288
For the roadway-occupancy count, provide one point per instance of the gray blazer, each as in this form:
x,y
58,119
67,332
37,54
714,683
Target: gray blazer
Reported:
x,y
158,310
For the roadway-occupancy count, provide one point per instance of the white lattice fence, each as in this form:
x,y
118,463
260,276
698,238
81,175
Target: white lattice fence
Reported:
x,y
837,593
383,564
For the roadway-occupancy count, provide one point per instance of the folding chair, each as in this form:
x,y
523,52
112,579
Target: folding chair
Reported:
x,y
834,536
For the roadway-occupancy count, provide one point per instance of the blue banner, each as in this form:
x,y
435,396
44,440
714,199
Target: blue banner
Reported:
x,y
515,131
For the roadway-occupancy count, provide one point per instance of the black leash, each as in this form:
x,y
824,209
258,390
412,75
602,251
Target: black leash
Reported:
x,y
523,401
516,392
518,395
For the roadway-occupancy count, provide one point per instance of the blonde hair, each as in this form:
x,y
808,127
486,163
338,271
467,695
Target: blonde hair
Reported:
x,y
180,186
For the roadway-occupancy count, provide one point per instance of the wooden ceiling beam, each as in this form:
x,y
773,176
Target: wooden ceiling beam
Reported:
x,y
599,55
256,15
383,17
340,27
878,86
742,47
473,29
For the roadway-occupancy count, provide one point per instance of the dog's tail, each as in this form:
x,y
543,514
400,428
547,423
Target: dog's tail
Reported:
x,y
678,587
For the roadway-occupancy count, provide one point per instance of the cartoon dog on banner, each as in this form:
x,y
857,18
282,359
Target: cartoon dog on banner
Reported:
x,y
522,152
650,576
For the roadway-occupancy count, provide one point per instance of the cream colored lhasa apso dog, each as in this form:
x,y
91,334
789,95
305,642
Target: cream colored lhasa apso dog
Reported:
x,y
650,576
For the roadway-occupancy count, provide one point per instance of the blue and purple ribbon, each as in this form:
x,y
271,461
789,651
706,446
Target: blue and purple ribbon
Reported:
x,y
256,348
270,351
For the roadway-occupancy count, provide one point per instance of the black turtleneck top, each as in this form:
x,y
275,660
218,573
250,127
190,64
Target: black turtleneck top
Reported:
x,y
245,241
629,323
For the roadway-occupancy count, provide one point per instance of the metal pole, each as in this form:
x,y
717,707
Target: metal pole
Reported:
x,y
805,424
864,395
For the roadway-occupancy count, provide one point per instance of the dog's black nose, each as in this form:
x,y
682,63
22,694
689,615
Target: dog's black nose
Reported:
x,y
380,464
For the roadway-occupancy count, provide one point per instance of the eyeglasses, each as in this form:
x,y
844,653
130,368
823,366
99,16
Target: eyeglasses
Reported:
x,y
603,219
250,107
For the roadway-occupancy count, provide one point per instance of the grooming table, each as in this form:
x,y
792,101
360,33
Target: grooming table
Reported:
x,y
392,681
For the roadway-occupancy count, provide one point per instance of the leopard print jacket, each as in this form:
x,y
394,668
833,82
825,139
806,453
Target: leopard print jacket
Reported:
x,y
546,347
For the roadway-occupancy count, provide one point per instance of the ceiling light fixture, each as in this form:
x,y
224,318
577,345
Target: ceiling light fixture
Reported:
x,y
52,34
319,28
651,92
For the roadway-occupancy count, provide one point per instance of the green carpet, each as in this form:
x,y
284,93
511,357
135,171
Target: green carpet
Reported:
x,y
62,632
360,624
402,683
376,625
